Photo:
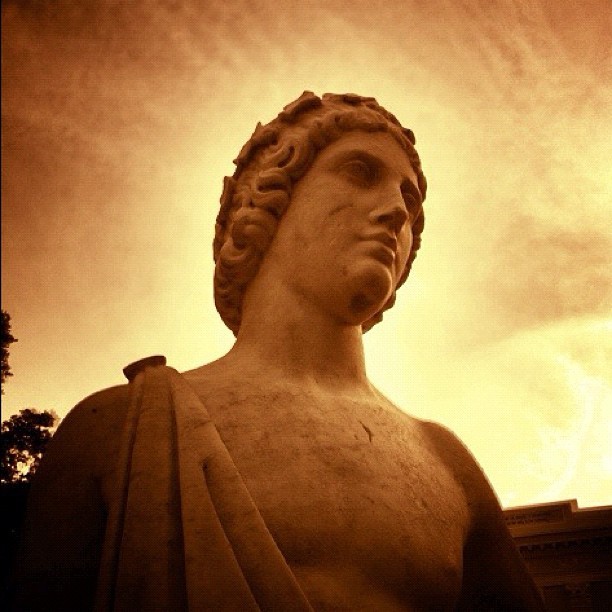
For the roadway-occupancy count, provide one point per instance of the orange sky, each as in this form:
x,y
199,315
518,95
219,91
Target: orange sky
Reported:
x,y
119,120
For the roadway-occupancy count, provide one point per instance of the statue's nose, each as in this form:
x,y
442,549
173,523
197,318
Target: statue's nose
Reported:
x,y
393,215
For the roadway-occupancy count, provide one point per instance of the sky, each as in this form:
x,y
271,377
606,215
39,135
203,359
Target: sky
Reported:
x,y
120,120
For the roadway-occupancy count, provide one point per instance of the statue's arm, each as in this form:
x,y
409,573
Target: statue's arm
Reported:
x,y
495,577
494,574
57,564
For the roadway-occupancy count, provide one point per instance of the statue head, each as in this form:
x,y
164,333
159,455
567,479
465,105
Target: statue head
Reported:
x,y
276,156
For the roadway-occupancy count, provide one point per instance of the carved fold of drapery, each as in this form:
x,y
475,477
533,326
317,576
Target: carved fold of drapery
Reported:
x,y
183,532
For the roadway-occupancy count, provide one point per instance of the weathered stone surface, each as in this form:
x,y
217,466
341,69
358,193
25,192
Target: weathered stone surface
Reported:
x,y
278,477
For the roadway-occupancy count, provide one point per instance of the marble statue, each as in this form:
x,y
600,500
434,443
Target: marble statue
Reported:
x,y
278,477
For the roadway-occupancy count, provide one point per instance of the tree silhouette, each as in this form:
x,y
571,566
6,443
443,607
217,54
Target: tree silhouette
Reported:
x,y
23,440
7,339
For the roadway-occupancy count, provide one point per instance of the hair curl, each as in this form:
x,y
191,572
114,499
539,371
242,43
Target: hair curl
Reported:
x,y
275,157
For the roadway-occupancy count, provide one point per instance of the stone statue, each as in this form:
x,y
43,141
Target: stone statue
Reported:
x,y
278,477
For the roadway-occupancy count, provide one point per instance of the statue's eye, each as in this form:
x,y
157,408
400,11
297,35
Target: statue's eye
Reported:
x,y
360,170
409,199
411,202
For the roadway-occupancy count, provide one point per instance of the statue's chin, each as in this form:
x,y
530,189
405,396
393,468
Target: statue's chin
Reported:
x,y
371,288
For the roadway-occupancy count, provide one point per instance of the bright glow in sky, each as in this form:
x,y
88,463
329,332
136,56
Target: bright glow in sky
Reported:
x,y
120,119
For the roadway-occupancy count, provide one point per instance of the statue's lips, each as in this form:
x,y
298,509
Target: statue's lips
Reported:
x,y
385,247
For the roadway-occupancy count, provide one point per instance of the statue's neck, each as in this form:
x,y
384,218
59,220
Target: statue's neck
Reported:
x,y
302,345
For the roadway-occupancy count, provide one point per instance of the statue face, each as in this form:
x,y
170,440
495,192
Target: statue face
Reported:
x,y
345,238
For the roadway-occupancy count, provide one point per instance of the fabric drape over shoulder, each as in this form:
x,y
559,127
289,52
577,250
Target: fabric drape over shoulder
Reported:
x,y
183,532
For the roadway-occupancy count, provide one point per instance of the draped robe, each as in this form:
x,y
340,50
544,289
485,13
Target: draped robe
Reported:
x,y
183,532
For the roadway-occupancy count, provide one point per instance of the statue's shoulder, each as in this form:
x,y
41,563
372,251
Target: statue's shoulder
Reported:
x,y
103,409
92,429
450,448
461,463
99,407
493,570
485,510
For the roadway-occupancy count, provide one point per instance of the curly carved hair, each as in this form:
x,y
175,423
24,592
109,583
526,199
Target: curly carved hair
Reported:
x,y
276,156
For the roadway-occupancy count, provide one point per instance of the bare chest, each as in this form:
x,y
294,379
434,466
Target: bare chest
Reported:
x,y
351,490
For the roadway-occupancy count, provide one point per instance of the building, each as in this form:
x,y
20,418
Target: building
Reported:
x,y
568,551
